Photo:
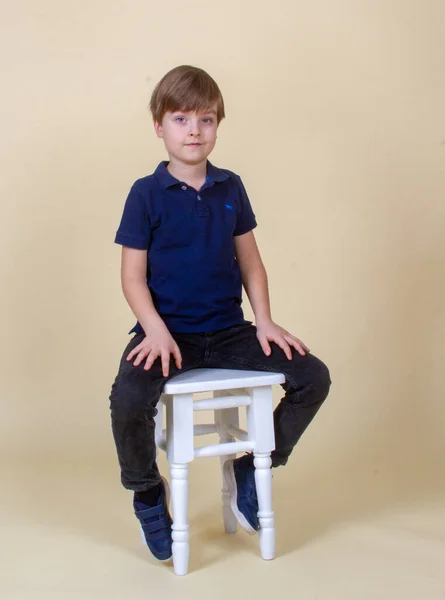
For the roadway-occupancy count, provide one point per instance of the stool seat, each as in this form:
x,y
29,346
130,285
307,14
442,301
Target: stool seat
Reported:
x,y
209,380
230,390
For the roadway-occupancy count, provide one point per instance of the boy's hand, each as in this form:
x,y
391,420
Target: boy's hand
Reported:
x,y
158,342
271,332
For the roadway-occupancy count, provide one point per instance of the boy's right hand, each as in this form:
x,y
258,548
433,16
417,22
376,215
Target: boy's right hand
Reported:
x,y
158,342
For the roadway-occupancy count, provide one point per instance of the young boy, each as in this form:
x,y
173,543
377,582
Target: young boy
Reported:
x,y
188,247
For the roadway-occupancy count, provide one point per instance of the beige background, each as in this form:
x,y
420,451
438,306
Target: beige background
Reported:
x,y
335,120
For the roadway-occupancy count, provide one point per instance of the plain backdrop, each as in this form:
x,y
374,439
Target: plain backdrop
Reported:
x,y
335,121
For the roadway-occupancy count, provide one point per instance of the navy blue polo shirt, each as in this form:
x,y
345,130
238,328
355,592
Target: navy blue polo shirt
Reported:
x,y
192,272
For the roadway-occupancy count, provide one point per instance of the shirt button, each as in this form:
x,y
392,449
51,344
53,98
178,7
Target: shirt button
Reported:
x,y
199,197
183,187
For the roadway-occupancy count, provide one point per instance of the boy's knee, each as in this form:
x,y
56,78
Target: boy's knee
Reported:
x,y
129,400
311,387
322,380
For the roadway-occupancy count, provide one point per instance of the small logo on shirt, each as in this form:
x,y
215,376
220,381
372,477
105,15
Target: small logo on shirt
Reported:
x,y
229,206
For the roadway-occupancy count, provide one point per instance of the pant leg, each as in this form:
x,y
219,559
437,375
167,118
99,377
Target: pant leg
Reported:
x,y
133,399
306,386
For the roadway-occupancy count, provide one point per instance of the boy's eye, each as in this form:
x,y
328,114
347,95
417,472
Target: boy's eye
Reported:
x,y
180,119
208,120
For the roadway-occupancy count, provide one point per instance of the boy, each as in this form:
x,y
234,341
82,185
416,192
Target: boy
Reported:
x,y
188,247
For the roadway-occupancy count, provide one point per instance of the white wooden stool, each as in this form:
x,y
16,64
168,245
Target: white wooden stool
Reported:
x,y
231,390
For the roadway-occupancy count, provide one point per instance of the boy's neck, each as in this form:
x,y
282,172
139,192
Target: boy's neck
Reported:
x,y
193,175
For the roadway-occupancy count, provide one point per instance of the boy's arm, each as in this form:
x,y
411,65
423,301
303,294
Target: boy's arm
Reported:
x,y
158,340
254,278
135,289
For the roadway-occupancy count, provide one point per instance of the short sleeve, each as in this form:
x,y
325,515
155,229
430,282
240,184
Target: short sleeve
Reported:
x,y
245,218
134,229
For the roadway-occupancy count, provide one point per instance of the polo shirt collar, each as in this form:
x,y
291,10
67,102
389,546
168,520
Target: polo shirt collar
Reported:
x,y
215,173
167,180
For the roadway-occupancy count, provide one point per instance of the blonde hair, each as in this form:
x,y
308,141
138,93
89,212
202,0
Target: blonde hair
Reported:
x,y
186,88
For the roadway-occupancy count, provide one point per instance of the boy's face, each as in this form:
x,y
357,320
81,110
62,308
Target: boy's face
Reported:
x,y
189,137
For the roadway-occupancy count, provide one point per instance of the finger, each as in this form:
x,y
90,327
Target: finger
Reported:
x,y
140,357
300,342
134,352
150,360
165,360
285,347
264,345
299,347
177,356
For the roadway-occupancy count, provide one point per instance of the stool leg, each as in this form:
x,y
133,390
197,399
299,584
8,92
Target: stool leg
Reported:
x,y
263,481
224,418
180,528
159,424
179,453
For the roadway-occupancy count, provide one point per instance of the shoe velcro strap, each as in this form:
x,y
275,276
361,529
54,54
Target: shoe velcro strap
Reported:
x,y
149,513
154,525
156,535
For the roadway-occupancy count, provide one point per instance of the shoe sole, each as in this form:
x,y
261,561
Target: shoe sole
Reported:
x,y
144,541
230,481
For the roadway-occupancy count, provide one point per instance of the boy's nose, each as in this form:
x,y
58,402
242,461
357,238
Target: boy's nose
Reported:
x,y
194,129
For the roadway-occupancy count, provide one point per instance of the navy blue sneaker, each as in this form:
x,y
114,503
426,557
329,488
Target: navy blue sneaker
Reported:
x,y
156,524
239,475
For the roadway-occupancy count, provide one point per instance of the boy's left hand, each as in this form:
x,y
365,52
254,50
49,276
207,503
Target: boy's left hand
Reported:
x,y
271,332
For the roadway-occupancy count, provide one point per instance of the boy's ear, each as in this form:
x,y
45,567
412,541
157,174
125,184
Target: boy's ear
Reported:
x,y
158,129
